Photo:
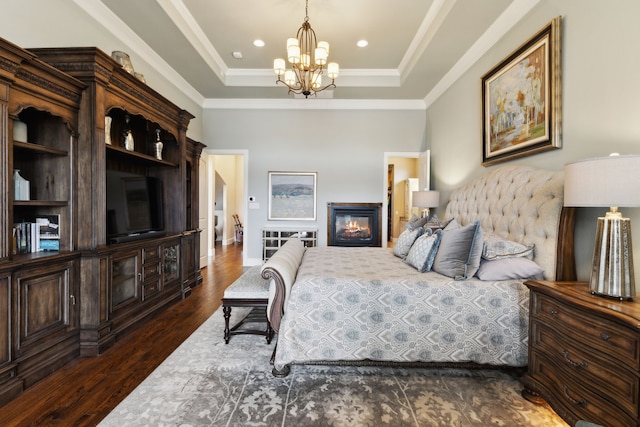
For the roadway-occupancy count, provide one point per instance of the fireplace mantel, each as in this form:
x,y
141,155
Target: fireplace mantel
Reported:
x,y
354,224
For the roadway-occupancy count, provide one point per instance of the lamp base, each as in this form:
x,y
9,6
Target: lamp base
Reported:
x,y
612,271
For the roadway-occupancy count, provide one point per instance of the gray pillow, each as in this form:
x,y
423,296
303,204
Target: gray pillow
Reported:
x,y
406,239
415,222
423,251
496,247
460,252
509,268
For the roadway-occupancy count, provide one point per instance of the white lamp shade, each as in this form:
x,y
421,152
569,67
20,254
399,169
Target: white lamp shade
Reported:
x,y
612,181
279,66
290,77
332,70
426,199
293,54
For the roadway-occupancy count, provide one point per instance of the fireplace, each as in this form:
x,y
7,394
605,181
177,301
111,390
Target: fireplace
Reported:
x,y
354,224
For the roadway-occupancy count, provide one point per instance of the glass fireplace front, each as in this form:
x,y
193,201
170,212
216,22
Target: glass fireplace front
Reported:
x,y
354,224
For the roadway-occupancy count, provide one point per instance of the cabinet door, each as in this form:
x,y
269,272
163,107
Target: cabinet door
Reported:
x,y
171,264
46,306
125,279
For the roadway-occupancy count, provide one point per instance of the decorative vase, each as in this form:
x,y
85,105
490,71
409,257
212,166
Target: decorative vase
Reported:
x,y
21,187
128,136
107,130
128,141
124,60
158,145
19,131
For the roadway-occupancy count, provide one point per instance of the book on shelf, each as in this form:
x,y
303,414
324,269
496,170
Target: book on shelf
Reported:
x,y
41,234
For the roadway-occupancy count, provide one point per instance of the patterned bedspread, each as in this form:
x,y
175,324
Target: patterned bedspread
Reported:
x,y
364,303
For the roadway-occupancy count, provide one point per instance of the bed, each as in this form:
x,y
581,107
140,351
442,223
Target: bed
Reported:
x,y
363,305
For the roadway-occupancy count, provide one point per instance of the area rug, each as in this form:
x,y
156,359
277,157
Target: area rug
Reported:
x,y
207,383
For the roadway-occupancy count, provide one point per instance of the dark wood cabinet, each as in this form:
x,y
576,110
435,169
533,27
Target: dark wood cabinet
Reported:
x,y
90,286
128,276
39,290
584,354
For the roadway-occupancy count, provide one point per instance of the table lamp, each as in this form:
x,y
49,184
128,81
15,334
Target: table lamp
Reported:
x,y
612,182
425,200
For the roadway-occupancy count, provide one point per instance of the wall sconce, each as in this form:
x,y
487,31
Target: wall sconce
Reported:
x,y
612,182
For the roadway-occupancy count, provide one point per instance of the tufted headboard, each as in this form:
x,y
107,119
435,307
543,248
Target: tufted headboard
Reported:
x,y
525,205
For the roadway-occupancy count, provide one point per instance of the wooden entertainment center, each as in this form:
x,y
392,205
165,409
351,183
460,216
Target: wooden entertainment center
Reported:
x,y
78,300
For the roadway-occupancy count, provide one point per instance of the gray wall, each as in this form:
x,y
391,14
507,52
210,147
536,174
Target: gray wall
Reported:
x,y
345,147
601,102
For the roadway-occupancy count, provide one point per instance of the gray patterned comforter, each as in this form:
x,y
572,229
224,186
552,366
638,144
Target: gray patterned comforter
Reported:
x,y
353,304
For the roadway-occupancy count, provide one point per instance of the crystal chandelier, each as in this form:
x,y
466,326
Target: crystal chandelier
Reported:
x,y
308,58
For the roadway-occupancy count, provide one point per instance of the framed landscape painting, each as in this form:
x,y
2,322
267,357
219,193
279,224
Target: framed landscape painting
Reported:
x,y
292,196
521,100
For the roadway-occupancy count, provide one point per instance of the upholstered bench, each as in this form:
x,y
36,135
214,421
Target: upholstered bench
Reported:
x,y
249,290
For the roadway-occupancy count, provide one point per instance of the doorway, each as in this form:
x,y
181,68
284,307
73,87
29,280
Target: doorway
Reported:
x,y
226,186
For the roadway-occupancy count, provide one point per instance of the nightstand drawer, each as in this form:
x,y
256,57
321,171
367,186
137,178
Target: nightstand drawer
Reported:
x,y
586,364
574,398
604,335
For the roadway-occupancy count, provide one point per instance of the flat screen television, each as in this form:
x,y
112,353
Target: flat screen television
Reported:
x,y
134,206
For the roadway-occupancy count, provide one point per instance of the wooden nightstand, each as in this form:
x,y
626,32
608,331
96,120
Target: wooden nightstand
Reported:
x,y
584,354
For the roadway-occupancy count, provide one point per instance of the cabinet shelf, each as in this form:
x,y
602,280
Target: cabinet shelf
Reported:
x,y
150,160
37,148
35,203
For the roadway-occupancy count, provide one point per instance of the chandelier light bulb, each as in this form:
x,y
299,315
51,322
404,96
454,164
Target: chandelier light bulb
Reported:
x,y
333,70
293,52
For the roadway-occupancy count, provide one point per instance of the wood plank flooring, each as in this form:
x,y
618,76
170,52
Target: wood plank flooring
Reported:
x,y
84,391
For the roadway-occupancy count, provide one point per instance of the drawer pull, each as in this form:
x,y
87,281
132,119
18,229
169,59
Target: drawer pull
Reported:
x,y
553,312
581,402
582,364
605,336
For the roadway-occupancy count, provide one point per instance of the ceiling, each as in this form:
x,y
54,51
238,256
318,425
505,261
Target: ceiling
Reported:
x,y
416,47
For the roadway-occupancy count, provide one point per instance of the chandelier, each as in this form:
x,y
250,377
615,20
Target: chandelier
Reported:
x,y
308,58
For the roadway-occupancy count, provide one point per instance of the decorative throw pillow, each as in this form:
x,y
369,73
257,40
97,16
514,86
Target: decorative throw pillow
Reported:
x,y
423,251
496,247
519,268
435,223
406,239
415,222
460,251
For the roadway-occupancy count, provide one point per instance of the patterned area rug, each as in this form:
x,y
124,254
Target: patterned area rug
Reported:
x,y
207,383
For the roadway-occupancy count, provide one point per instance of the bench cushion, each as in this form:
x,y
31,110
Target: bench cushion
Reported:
x,y
250,285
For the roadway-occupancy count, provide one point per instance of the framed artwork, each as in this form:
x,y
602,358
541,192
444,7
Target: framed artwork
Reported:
x,y
521,100
292,196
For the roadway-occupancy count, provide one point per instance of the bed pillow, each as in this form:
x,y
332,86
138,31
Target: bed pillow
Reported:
x,y
518,268
496,247
423,251
415,222
460,251
406,239
435,223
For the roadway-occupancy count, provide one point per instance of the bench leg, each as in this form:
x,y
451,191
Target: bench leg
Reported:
x,y
269,332
227,314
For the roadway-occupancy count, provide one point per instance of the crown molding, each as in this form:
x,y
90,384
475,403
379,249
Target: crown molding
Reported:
x,y
314,104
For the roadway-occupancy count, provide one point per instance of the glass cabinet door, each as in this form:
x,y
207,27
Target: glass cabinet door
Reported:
x,y
124,279
171,264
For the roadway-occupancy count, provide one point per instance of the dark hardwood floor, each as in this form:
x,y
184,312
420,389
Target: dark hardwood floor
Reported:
x,y
84,391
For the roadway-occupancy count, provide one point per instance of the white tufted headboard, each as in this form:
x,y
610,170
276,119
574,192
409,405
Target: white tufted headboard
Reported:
x,y
522,204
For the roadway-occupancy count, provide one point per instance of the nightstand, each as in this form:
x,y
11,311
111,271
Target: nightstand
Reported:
x,y
584,354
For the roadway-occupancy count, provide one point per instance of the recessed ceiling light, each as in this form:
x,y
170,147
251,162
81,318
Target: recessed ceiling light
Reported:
x,y
237,55
258,43
362,43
